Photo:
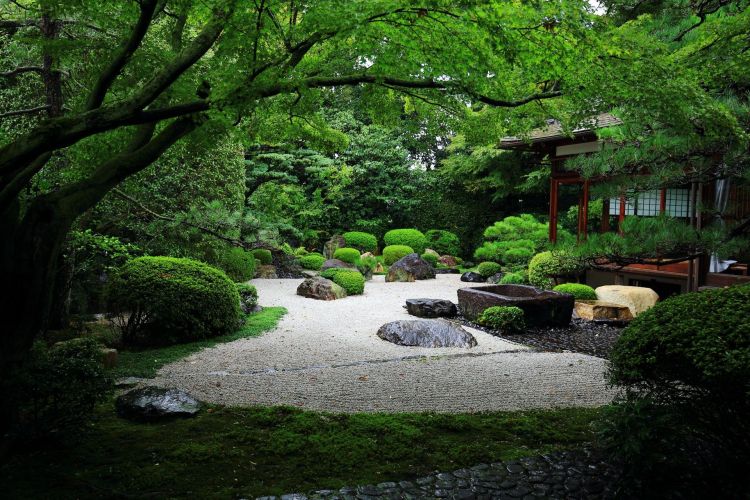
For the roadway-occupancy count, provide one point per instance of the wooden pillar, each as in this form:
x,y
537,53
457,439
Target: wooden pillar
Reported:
x,y
605,216
621,217
585,214
662,200
553,193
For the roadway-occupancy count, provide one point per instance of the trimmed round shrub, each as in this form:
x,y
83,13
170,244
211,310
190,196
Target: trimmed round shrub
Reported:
x,y
488,269
350,280
431,258
685,368
348,255
312,262
577,290
509,319
364,242
166,300
238,263
392,253
518,256
248,297
263,255
443,242
547,265
409,237
301,252
513,279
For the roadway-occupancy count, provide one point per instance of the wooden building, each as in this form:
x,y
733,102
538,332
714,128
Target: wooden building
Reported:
x,y
685,202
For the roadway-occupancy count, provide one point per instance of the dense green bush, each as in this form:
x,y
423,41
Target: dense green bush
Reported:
x,y
301,252
515,239
685,368
364,242
509,319
238,263
248,297
578,290
263,255
350,280
392,253
506,252
513,279
57,388
545,266
443,242
488,269
408,237
431,258
312,262
348,255
366,265
165,300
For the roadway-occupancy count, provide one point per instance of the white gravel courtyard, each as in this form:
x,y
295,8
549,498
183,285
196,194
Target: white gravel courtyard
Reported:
x,y
327,356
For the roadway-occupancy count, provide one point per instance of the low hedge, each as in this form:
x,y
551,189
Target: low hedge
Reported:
x,y
409,237
350,280
392,253
348,255
509,319
238,263
263,255
312,262
364,242
513,279
443,242
488,269
546,265
166,300
577,290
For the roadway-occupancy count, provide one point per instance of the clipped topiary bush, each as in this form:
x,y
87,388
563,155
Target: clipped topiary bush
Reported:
x,y
364,242
238,263
577,290
685,367
545,266
431,258
312,262
350,280
248,297
348,255
509,319
443,242
488,269
392,253
408,237
513,279
263,255
166,300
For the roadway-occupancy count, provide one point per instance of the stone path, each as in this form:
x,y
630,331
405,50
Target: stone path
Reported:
x,y
325,355
564,475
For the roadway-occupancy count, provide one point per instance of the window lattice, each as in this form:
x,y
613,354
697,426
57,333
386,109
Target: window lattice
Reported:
x,y
648,203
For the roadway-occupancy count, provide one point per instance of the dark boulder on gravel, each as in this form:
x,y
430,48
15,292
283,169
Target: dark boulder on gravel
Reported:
x,y
410,265
320,289
472,277
154,403
431,308
426,333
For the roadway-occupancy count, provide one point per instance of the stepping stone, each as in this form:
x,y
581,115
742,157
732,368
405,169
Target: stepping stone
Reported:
x,y
431,308
637,298
154,403
426,333
599,310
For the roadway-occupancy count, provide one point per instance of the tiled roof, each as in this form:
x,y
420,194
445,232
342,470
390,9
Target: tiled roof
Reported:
x,y
554,130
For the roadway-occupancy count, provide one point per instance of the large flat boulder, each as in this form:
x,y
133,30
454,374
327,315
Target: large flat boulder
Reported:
x,y
599,310
336,264
431,308
155,403
320,289
409,268
426,333
636,298
540,307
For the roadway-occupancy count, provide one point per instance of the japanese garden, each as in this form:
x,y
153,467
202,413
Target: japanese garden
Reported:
x,y
304,249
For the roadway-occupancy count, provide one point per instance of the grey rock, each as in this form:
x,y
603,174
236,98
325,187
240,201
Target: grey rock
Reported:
x,y
495,278
472,277
320,289
426,333
267,272
155,403
336,263
337,241
411,264
431,308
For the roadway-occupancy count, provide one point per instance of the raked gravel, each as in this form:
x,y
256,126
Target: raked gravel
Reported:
x,y
327,356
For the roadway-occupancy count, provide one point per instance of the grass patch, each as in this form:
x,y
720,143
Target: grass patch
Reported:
x,y
145,363
246,452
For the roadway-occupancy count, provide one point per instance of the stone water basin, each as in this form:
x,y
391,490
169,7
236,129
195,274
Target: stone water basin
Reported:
x,y
540,307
